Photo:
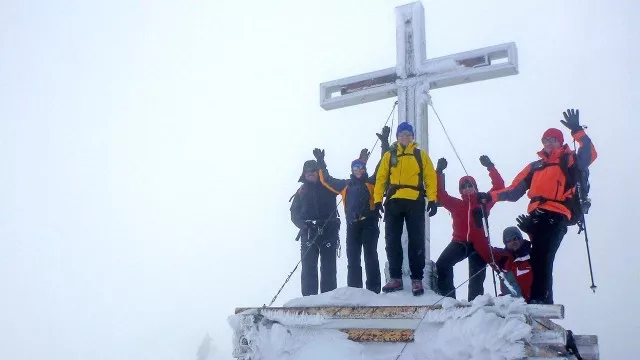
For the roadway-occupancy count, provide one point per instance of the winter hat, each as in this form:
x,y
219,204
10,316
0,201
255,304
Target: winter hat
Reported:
x,y
466,179
510,233
405,126
309,165
554,133
358,163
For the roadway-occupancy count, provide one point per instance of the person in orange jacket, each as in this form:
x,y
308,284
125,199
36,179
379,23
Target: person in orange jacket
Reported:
x,y
550,190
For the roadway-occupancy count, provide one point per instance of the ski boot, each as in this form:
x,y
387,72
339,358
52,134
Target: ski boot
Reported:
x,y
393,285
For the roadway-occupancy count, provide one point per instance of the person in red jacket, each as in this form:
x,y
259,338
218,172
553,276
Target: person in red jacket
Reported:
x,y
469,240
516,262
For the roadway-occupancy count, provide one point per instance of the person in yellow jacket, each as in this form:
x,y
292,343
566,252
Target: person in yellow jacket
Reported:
x,y
408,180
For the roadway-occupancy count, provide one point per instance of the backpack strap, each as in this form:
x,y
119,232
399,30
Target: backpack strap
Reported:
x,y
393,162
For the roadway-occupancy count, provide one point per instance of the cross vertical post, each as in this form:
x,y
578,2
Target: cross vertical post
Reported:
x,y
411,80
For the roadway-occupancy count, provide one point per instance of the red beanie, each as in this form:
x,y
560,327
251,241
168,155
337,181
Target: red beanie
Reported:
x,y
554,133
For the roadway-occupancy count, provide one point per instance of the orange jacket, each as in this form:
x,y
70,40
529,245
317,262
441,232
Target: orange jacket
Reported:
x,y
546,184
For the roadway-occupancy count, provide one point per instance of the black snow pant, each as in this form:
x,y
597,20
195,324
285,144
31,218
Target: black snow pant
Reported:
x,y
362,236
322,244
546,234
453,254
398,212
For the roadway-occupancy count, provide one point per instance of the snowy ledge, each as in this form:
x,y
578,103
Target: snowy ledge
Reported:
x,y
350,323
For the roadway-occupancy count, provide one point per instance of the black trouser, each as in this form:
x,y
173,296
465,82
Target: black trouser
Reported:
x,y
453,254
397,212
323,245
363,236
546,234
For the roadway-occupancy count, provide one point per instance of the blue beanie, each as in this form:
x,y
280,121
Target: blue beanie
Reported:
x,y
358,162
405,126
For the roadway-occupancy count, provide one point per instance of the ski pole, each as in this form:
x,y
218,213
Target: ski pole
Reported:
x,y
485,222
586,241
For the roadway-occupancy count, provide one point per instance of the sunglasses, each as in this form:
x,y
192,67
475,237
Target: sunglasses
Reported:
x,y
549,140
404,133
513,239
466,186
357,167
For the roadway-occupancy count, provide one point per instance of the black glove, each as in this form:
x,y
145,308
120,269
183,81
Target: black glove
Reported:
x,y
572,120
483,197
432,208
442,164
319,155
486,162
379,210
364,155
524,223
477,217
384,136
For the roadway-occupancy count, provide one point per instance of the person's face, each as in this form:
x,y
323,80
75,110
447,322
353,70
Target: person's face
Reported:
x,y
405,137
550,144
358,171
467,188
311,176
514,244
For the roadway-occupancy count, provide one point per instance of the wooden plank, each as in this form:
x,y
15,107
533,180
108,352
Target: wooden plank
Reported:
x,y
554,311
548,337
586,339
394,312
380,335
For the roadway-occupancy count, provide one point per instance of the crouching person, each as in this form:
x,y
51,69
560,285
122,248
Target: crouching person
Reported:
x,y
516,264
314,212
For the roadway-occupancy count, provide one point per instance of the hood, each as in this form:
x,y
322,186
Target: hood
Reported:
x,y
465,179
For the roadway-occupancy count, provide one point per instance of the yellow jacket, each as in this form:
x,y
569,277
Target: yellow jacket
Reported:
x,y
406,172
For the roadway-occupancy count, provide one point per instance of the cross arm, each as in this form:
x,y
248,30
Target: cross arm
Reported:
x,y
470,66
358,89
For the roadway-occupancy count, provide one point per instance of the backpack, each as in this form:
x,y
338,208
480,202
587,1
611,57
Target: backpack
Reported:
x,y
393,162
576,182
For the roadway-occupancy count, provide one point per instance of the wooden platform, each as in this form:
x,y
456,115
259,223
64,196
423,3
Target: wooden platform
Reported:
x,y
396,324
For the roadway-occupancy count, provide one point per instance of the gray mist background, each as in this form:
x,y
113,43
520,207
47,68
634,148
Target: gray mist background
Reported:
x,y
148,150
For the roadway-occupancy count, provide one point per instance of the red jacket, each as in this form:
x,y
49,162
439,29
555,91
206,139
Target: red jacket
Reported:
x,y
464,227
519,265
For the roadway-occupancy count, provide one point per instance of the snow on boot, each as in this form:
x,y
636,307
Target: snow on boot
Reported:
x,y
393,285
416,287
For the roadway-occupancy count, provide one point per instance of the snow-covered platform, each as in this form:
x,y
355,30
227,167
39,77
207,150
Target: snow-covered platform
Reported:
x,y
350,323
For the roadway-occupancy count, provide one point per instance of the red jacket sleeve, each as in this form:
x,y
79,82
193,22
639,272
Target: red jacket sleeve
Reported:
x,y
447,201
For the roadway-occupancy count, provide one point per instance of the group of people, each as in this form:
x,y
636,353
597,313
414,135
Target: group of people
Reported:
x,y
405,188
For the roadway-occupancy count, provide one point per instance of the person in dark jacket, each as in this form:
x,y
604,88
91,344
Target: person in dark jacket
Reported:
x,y
469,240
362,221
550,190
314,212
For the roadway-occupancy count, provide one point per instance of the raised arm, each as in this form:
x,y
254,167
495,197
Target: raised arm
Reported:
x,y
335,185
516,190
447,201
587,152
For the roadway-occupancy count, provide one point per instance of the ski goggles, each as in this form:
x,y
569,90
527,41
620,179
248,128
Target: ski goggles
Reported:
x,y
405,133
549,140
467,185
357,167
